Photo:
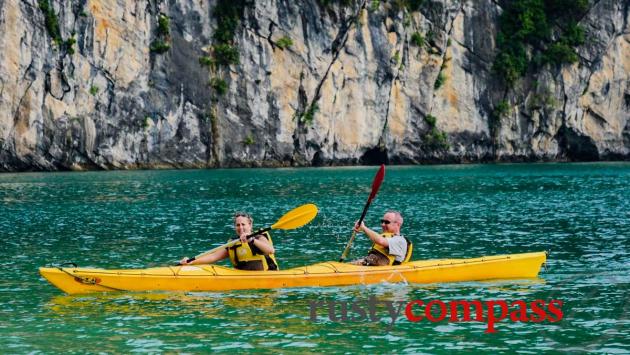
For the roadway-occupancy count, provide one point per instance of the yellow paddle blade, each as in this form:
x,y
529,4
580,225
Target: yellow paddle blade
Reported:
x,y
297,217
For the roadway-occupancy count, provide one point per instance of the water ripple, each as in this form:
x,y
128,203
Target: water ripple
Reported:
x,y
132,219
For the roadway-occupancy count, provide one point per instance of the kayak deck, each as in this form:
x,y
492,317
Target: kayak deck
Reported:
x,y
218,278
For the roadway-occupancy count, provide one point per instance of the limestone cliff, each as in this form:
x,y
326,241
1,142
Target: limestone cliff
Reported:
x,y
119,84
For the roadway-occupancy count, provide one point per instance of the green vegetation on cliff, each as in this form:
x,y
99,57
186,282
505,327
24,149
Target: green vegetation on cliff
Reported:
x,y
219,85
52,23
228,14
500,112
434,139
161,43
284,42
533,33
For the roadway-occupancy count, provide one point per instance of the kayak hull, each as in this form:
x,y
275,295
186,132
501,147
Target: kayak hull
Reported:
x,y
219,278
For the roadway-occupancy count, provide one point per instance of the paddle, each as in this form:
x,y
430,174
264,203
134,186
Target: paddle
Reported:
x,y
295,218
376,184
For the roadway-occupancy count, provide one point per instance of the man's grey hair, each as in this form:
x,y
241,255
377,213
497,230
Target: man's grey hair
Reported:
x,y
399,217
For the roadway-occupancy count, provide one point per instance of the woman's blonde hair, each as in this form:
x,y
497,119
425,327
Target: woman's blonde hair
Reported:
x,y
244,214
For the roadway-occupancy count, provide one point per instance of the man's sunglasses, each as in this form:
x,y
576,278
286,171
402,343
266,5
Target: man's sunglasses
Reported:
x,y
384,221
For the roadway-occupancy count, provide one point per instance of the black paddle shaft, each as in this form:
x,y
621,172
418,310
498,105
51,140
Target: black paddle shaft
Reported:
x,y
365,209
367,205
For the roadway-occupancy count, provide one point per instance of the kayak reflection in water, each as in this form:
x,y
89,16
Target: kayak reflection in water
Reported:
x,y
255,253
389,247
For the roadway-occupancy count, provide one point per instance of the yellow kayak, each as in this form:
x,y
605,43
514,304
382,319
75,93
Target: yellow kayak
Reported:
x,y
218,278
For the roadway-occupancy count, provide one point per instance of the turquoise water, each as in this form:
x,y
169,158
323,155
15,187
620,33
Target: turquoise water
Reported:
x,y
580,213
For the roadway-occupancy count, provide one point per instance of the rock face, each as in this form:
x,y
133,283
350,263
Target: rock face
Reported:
x,y
352,87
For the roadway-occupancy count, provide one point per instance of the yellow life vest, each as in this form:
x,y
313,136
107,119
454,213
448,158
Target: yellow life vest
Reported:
x,y
382,251
245,256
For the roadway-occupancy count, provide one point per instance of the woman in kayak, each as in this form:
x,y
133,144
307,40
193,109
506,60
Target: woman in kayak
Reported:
x,y
254,253
389,247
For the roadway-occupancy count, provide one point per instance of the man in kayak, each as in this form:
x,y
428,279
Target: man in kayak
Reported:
x,y
255,253
389,247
